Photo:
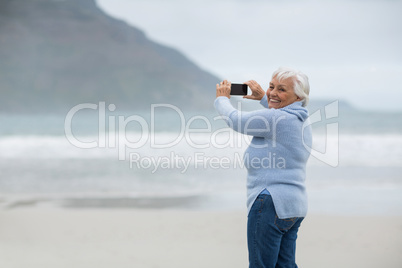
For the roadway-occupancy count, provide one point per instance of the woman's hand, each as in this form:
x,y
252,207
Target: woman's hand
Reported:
x,y
257,92
223,89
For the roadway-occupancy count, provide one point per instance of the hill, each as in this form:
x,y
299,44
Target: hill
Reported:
x,y
55,54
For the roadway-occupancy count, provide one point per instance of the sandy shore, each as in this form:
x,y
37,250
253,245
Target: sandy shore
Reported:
x,y
58,238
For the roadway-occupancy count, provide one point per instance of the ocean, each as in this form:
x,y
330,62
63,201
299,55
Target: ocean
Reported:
x,y
164,158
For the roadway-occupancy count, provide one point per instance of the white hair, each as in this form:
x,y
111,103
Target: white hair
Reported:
x,y
301,86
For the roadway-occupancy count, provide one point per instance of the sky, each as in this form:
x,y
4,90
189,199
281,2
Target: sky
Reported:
x,y
350,50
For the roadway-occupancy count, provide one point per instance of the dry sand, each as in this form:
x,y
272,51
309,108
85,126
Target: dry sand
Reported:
x,y
58,238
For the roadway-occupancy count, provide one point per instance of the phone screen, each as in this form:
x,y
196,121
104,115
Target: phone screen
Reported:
x,y
238,89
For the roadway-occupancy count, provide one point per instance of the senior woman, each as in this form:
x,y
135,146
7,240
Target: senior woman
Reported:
x,y
276,164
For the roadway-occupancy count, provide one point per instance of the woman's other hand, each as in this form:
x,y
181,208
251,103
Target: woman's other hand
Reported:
x,y
223,89
257,92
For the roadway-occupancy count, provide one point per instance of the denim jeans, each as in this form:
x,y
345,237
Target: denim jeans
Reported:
x,y
271,241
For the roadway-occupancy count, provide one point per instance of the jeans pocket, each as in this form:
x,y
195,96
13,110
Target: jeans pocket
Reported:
x,y
285,224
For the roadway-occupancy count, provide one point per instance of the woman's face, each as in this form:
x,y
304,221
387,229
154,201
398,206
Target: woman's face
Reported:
x,y
281,94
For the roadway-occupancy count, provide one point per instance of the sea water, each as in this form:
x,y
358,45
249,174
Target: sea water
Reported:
x,y
191,159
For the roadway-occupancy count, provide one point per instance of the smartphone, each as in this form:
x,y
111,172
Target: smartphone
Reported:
x,y
238,89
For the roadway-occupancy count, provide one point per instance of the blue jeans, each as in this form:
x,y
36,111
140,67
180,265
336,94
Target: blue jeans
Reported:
x,y
271,241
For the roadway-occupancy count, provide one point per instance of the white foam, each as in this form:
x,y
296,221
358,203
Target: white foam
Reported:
x,y
354,149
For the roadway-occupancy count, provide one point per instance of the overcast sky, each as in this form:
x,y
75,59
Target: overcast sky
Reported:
x,y
349,49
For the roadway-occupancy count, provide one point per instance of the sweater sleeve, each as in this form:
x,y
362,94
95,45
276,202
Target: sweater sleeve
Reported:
x,y
264,101
255,123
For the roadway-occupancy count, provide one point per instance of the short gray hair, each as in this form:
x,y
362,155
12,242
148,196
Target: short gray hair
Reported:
x,y
300,82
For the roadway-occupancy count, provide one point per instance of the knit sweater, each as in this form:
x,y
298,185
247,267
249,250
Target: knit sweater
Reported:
x,y
277,155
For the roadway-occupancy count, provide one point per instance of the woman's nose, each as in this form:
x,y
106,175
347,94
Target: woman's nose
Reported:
x,y
273,92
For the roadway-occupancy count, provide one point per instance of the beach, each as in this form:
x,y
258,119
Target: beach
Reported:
x,y
65,206
57,237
